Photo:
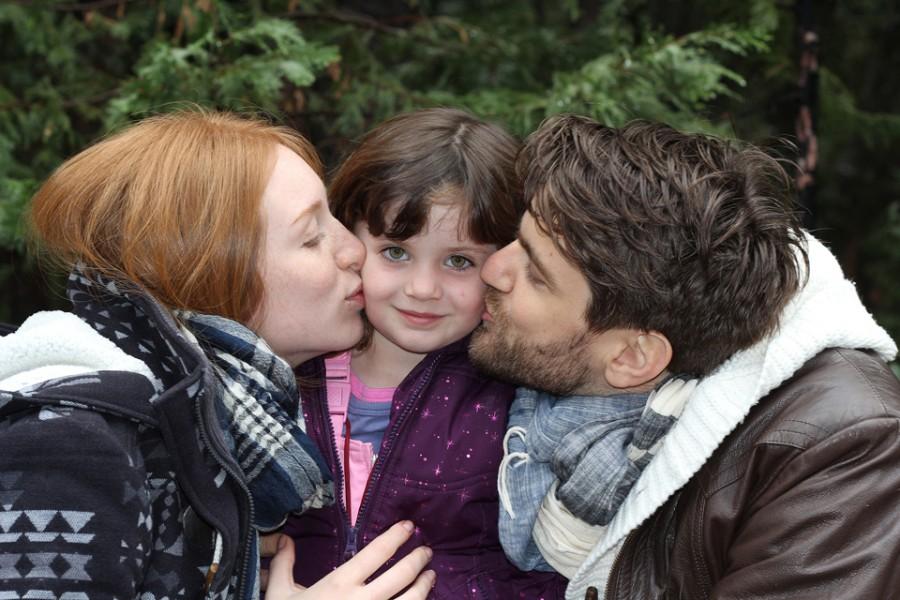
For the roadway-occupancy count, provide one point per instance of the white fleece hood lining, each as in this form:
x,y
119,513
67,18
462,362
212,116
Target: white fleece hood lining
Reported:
x,y
53,344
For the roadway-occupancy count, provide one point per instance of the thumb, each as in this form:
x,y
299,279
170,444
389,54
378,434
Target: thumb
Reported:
x,y
281,571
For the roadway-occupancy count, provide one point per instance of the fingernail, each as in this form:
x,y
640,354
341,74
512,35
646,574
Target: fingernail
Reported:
x,y
408,525
282,542
429,552
432,576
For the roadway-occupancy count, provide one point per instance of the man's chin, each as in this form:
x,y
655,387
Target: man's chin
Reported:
x,y
478,340
495,356
559,368
483,349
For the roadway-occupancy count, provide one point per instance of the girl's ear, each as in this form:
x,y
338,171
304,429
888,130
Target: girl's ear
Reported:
x,y
641,358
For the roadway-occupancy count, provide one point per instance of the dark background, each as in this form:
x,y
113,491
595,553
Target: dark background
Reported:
x,y
73,71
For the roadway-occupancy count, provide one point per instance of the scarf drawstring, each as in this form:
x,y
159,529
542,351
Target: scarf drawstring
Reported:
x,y
217,558
583,455
506,463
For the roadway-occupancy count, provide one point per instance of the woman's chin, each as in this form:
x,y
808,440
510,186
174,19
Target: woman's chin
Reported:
x,y
345,338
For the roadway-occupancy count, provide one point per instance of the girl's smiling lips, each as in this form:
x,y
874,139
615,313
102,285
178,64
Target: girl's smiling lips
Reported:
x,y
419,318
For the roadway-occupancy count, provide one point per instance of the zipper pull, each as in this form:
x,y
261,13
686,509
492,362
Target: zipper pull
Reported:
x,y
214,567
350,546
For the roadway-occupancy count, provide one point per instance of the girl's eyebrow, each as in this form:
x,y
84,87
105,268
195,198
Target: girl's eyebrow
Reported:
x,y
469,248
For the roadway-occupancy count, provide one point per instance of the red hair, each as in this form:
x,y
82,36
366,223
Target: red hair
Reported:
x,y
171,204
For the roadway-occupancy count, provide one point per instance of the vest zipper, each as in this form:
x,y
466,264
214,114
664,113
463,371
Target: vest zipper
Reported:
x,y
238,478
615,565
158,315
350,542
347,434
351,545
319,408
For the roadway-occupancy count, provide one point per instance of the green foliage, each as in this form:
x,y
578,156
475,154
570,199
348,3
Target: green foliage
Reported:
x,y
247,67
72,72
846,123
662,78
519,69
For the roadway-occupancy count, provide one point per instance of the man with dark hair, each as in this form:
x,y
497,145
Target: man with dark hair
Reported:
x,y
716,418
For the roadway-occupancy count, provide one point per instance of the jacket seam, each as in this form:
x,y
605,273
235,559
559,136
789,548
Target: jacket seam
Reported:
x,y
698,552
813,440
865,378
807,423
835,438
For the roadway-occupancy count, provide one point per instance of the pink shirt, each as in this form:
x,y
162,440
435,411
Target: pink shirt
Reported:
x,y
357,457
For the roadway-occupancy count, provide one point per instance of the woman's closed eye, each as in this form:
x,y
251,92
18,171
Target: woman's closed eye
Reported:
x,y
314,241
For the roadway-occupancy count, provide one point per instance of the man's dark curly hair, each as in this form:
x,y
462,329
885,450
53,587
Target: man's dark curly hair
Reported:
x,y
687,234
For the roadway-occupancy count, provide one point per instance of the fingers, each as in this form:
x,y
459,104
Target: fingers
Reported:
x,y
280,582
377,552
351,576
419,590
268,544
402,574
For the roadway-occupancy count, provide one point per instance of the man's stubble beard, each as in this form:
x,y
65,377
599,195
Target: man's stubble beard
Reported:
x,y
560,367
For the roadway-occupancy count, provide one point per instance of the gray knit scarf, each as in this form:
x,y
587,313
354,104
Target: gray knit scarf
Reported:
x,y
589,449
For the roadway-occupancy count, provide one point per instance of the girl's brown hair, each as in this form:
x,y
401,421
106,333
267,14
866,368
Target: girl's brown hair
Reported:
x,y
171,204
413,159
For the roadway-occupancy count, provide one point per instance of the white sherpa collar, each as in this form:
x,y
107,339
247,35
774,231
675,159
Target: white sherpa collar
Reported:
x,y
56,344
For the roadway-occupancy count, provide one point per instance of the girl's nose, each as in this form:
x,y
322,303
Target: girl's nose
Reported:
x,y
423,285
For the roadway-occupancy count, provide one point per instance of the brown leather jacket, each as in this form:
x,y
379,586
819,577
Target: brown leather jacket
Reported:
x,y
801,501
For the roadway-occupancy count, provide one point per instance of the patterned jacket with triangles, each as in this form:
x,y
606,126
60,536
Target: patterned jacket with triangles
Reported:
x,y
113,485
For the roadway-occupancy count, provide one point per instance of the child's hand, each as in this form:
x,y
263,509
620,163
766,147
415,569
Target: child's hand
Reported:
x,y
348,581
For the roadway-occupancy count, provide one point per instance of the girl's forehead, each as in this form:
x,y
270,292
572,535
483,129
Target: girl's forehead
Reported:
x,y
444,216
444,209
446,230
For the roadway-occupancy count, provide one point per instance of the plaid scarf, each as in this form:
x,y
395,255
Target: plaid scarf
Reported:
x,y
259,413
257,402
569,463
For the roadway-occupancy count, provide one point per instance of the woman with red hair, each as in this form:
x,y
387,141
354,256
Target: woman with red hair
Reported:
x,y
150,436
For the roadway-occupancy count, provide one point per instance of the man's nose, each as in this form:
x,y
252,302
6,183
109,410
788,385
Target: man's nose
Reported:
x,y
497,271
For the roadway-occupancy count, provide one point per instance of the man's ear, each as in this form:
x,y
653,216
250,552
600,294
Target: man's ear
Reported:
x,y
642,356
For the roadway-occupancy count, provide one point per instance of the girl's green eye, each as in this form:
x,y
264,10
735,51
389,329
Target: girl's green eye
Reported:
x,y
457,261
394,253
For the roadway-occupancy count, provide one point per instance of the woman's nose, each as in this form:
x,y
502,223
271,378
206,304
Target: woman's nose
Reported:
x,y
350,252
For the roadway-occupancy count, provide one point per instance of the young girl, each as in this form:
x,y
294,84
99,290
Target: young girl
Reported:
x,y
409,428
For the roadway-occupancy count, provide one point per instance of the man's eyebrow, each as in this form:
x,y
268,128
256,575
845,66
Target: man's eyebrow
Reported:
x,y
544,272
311,209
